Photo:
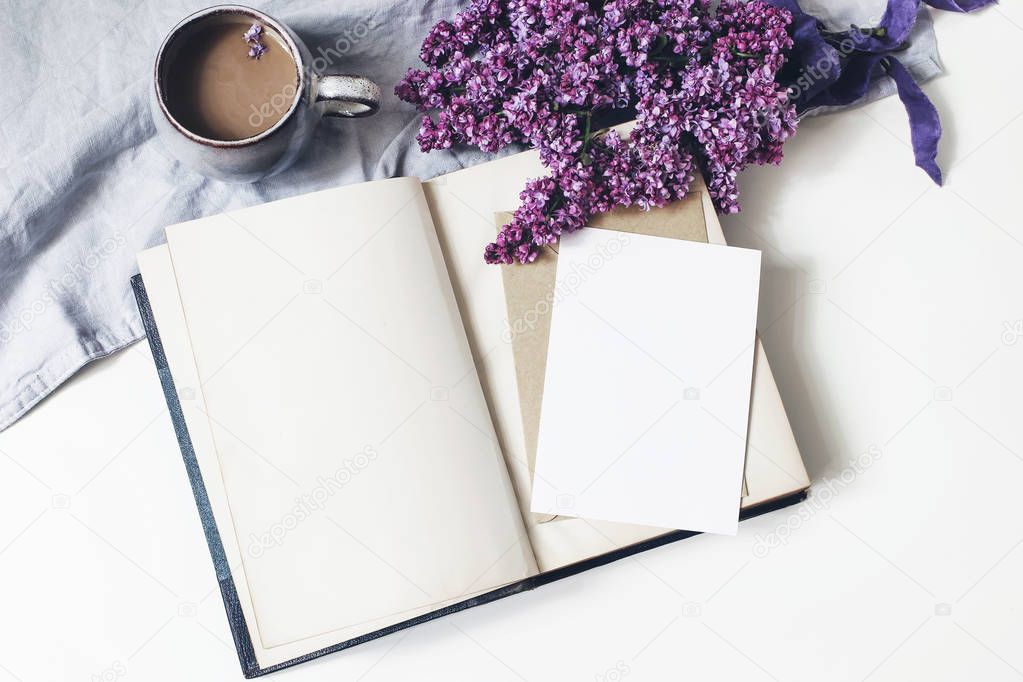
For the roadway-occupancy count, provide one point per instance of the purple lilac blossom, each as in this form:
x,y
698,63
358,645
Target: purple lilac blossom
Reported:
x,y
253,33
701,83
253,37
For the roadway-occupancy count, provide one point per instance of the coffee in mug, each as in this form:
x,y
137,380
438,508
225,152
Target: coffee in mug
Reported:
x,y
225,87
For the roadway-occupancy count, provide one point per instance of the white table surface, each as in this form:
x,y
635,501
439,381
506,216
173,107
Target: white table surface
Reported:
x,y
892,312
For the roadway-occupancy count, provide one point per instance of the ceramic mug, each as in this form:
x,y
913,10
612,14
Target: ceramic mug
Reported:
x,y
271,151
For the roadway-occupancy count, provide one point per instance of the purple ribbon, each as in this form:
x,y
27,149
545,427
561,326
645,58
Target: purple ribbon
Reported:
x,y
837,69
953,6
924,123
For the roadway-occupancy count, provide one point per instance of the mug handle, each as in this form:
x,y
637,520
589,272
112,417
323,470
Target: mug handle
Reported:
x,y
347,96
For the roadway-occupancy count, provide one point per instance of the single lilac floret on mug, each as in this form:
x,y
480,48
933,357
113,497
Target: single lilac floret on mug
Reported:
x,y
253,34
254,39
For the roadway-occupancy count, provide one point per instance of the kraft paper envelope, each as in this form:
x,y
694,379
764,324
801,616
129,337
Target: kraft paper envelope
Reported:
x,y
529,292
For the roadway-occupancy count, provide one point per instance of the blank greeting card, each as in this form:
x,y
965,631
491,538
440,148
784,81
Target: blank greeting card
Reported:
x,y
647,389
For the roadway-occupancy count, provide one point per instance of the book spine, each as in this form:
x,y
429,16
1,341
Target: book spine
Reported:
x,y
235,617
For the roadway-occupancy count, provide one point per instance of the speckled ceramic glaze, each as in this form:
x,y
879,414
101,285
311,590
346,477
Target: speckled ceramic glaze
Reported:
x,y
273,150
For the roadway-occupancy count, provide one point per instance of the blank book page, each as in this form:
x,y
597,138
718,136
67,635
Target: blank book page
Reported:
x,y
358,458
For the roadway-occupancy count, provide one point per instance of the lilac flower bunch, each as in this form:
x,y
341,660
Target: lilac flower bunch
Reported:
x,y
699,77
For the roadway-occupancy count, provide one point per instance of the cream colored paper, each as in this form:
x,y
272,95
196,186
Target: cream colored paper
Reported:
x,y
331,358
161,288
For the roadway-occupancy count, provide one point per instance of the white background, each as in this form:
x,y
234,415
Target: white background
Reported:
x,y
889,313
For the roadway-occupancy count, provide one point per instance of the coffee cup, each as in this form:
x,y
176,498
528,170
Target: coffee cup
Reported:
x,y
234,96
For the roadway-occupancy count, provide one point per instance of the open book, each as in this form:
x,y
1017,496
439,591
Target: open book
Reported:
x,y
347,402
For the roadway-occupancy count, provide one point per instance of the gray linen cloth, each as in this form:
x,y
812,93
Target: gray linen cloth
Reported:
x,y
84,185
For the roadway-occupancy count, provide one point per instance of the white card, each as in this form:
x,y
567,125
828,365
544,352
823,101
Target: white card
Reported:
x,y
647,391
